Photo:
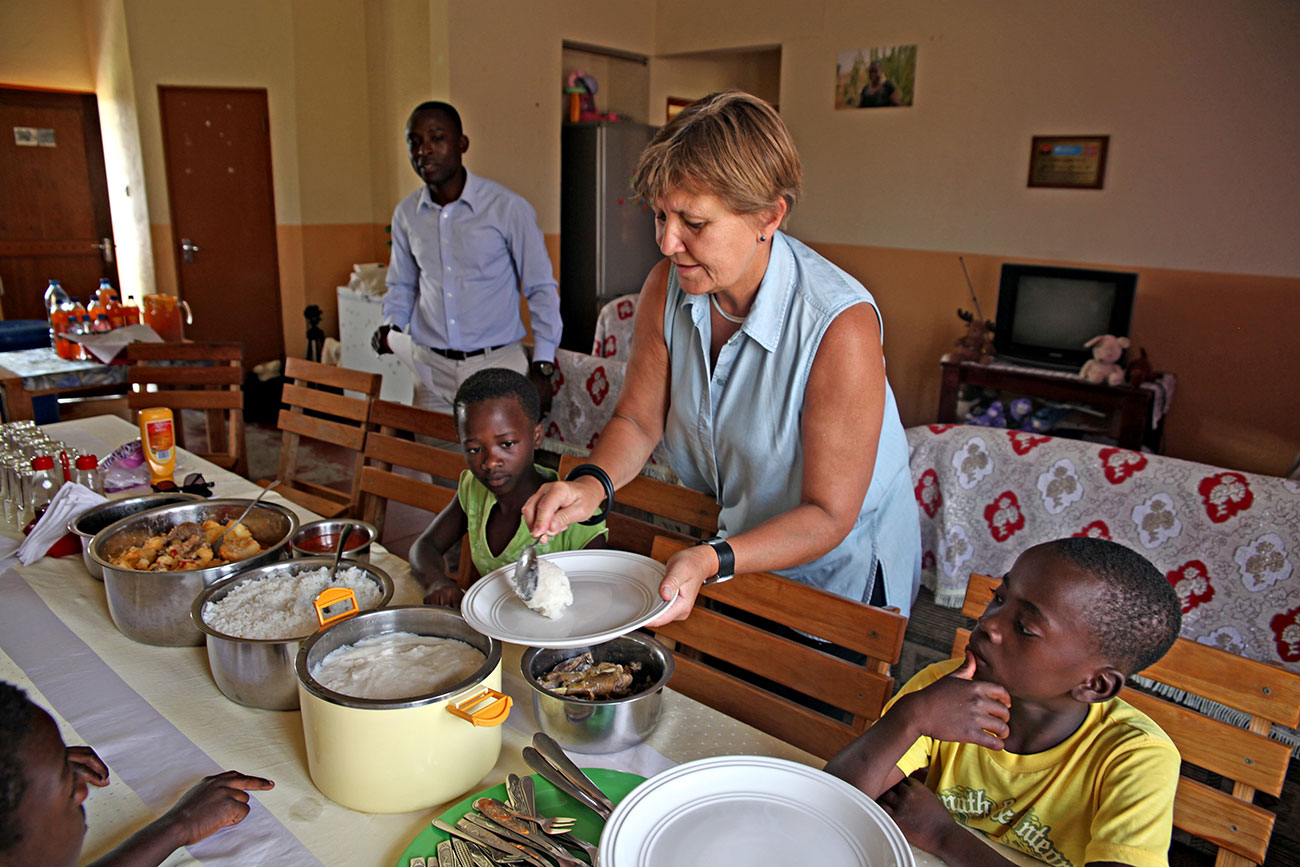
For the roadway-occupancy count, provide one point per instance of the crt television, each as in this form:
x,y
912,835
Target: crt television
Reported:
x,y
1046,314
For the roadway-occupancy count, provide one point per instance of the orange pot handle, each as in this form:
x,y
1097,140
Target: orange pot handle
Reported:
x,y
487,708
333,596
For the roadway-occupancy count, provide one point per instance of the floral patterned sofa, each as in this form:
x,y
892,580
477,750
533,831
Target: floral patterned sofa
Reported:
x,y
1228,541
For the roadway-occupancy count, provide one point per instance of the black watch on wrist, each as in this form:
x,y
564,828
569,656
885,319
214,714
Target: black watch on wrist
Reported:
x,y
544,368
726,560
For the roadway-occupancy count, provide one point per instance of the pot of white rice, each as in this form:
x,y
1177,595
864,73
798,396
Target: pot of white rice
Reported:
x,y
401,708
255,620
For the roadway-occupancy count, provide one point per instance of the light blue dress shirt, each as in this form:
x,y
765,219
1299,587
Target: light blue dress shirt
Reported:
x,y
736,433
455,272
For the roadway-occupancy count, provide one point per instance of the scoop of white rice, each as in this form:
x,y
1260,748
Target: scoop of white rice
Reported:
x,y
279,606
553,593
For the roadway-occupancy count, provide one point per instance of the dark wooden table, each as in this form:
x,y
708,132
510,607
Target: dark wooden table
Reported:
x,y
1133,404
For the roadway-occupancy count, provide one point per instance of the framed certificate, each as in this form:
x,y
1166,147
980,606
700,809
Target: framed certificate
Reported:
x,y
1077,161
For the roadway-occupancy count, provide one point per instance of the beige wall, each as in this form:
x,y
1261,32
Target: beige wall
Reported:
x,y
506,81
44,45
1199,100
691,76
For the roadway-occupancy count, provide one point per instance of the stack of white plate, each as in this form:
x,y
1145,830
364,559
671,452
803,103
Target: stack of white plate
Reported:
x,y
750,810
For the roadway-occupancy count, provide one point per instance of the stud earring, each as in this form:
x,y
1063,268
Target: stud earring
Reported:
x,y
762,238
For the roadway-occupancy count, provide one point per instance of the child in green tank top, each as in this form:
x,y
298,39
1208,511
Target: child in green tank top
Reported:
x,y
498,417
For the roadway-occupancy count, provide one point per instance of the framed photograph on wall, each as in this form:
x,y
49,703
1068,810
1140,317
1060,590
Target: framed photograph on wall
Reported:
x,y
1073,161
883,77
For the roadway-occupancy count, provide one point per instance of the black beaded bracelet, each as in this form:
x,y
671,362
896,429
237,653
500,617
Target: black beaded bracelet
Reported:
x,y
601,476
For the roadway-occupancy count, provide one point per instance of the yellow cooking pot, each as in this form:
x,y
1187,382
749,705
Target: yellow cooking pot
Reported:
x,y
394,756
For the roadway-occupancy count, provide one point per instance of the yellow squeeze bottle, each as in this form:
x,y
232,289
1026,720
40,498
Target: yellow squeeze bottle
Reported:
x,y
158,436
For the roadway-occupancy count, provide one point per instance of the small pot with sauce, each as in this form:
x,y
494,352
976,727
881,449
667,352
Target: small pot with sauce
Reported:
x,y
321,538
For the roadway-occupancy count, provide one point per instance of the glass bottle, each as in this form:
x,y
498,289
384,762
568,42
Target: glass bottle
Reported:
x,y
87,473
39,487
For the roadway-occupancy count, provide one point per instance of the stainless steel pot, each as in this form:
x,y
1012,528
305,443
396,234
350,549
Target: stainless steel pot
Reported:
x,y
394,756
154,607
91,522
603,726
259,672
321,538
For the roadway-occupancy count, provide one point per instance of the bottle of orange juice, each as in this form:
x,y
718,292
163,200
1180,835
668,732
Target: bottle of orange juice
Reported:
x,y
112,303
158,437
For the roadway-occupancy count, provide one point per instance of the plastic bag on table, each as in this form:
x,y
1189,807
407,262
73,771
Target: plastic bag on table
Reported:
x,y
125,468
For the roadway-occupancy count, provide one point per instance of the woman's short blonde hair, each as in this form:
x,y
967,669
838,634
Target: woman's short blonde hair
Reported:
x,y
732,145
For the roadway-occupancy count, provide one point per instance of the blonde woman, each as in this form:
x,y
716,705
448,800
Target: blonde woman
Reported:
x,y
759,365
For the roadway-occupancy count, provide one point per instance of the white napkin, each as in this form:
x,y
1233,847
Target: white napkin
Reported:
x,y
107,344
71,501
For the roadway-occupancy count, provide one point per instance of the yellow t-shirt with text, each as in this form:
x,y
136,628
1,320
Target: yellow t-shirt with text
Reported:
x,y
1106,793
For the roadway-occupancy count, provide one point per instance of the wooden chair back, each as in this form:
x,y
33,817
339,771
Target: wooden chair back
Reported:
x,y
708,636
1244,757
208,377
696,511
316,406
391,447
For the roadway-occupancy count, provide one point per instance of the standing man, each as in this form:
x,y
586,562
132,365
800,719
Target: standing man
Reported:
x,y
464,248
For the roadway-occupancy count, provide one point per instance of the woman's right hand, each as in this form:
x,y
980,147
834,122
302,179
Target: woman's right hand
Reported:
x,y
556,505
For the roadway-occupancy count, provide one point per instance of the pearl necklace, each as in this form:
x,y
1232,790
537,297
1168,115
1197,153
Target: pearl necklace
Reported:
x,y
724,314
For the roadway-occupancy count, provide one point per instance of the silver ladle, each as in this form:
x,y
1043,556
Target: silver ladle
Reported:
x,y
338,555
216,543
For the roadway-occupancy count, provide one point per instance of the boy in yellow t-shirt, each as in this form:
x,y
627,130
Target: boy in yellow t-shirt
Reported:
x,y
1025,739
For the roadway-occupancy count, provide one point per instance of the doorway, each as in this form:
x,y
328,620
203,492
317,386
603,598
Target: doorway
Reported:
x,y
217,151
54,215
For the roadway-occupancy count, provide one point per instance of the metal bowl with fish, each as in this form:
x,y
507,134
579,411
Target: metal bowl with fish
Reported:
x,y
599,699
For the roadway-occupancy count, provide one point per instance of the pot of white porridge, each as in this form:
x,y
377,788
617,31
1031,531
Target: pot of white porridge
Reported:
x,y
401,708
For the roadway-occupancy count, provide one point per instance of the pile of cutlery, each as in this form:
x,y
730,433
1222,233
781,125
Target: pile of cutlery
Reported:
x,y
512,832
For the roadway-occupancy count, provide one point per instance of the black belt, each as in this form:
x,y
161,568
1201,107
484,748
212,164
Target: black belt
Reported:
x,y
458,355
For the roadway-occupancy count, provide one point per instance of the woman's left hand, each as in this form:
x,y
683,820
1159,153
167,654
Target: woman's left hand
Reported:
x,y
686,572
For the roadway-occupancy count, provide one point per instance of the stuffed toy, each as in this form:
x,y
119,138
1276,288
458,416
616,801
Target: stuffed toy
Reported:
x,y
977,343
1107,350
1139,370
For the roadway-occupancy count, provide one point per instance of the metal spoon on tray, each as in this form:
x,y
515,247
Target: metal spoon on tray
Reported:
x,y
216,543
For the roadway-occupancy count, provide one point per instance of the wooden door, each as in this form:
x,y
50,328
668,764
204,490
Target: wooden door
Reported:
x,y
54,218
217,148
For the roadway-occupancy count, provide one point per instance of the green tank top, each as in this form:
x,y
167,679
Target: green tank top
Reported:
x,y
477,502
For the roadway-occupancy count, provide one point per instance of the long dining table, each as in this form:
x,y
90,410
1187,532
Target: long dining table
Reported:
x,y
158,720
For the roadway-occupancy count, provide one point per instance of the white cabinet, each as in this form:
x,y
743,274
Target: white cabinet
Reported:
x,y
359,316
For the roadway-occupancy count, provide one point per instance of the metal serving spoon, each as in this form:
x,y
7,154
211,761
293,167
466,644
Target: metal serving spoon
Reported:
x,y
338,555
524,578
244,514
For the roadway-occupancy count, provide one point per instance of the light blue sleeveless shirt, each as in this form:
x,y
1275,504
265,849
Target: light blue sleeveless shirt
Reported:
x,y
736,434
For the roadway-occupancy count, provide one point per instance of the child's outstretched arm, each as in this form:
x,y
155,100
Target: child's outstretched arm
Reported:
x,y
214,803
953,708
428,555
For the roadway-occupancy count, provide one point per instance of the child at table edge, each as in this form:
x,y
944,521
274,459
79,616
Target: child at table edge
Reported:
x,y
498,418
43,784
1024,739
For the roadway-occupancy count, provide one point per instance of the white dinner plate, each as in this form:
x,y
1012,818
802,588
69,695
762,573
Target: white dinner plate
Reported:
x,y
614,592
750,810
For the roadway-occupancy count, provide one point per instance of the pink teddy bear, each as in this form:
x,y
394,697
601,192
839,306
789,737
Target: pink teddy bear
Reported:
x,y
1104,364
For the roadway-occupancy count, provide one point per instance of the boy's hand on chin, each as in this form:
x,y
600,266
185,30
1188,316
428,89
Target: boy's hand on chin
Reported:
x,y
961,710
923,818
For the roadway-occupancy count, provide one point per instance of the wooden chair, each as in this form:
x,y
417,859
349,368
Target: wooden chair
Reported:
x,y
207,377
697,511
1245,757
390,446
860,689
314,408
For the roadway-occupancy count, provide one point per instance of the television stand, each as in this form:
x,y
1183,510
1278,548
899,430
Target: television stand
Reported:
x,y
1127,408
